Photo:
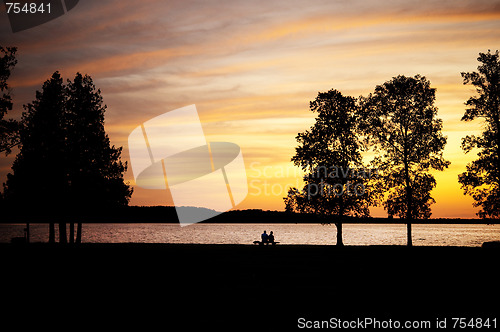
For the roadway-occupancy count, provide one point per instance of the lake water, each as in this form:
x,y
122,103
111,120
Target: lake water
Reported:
x,y
354,234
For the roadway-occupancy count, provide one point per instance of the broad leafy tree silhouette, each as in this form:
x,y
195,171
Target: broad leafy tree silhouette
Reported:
x,y
481,180
399,119
8,127
66,166
330,155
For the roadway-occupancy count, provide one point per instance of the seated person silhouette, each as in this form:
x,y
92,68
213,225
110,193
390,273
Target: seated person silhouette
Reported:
x,y
264,238
270,238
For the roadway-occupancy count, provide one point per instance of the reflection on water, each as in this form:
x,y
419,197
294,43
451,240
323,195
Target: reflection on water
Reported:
x,y
354,234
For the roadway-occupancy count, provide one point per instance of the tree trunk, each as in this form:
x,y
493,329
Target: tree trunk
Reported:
x,y
339,234
71,232
62,233
79,233
409,216
27,232
408,232
340,243
52,233
409,198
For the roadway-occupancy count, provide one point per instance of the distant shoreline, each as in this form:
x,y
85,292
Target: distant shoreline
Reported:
x,y
167,214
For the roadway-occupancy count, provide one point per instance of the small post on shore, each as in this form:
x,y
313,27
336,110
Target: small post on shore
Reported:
x,y
27,233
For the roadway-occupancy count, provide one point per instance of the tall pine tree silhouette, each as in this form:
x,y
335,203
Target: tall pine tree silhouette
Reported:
x,y
66,166
94,166
8,127
37,178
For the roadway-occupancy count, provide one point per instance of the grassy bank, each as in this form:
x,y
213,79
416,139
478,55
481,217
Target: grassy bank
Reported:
x,y
233,285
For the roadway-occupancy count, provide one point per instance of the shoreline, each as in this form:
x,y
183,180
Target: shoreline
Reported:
x,y
488,244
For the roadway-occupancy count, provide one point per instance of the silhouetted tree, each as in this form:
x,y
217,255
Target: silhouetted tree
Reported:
x,y
66,166
8,128
482,178
38,176
330,154
399,118
94,166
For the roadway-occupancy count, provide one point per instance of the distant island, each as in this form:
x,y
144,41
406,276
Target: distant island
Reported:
x,y
167,214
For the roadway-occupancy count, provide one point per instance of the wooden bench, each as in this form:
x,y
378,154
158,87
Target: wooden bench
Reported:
x,y
260,243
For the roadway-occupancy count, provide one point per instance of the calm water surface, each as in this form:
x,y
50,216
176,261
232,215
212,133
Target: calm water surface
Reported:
x,y
354,234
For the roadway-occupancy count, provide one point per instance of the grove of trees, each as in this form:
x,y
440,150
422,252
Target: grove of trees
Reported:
x,y
397,126
66,166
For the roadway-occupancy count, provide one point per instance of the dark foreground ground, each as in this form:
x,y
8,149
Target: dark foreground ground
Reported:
x,y
167,287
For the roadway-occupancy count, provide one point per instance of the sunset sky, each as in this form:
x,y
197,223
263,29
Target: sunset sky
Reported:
x,y
251,68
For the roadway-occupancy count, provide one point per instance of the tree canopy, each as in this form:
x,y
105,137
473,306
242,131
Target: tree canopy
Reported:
x,y
8,127
66,164
481,180
330,154
400,120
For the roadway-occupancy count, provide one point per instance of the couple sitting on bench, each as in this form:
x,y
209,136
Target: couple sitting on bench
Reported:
x,y
266,239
